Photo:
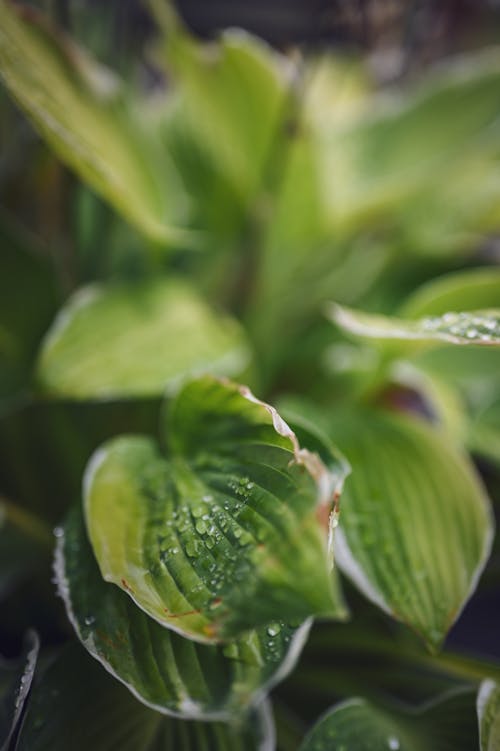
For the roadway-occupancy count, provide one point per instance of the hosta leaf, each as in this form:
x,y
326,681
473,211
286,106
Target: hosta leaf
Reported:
x,y
488,710
15,683
134,340
478,327
416,526
226,533
75,704
473,289
393,156
445,724
164,670
78,109
233,93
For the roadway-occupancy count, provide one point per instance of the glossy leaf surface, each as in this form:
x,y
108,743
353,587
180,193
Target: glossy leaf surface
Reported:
x,y
166,671
15,683
478,327
135,340
416,526
76,705
446,724
228,531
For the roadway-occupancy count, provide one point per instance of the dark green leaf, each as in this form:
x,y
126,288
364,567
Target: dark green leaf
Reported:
x,y
226,533
15,683
166,671
76,705
122,341
445,724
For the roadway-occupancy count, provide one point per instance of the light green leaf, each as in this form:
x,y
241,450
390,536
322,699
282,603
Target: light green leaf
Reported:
x,y
15,684
473,289
445,724
488,710
168,672
401,153
78,108
416,526
135,340
478,327
233,93
227,532
76,705
484,431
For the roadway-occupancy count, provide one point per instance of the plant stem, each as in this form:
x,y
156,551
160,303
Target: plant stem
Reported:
x,y
30,524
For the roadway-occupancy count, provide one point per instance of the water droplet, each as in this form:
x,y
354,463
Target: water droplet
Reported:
x,y
471,333
58,532
192,548
208,498
89,620
273,629
393,743
201,527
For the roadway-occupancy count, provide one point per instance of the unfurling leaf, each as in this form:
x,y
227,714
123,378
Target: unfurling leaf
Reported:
x,y
226,532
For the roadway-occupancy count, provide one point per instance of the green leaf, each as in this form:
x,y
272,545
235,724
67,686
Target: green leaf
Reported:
x,y
404,156
232,92
484,431
122,341
166,671
15,683
478,327
78,108
445,724
473,289
488,710
75,704
228,531
416,525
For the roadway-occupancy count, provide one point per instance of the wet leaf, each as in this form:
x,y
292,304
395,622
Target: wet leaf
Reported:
x,y
76,704
229,530
478,327
416,525
445,724
166,671
15,683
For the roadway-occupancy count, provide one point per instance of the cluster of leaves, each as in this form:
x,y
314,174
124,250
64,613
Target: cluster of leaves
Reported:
x,y
272,197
